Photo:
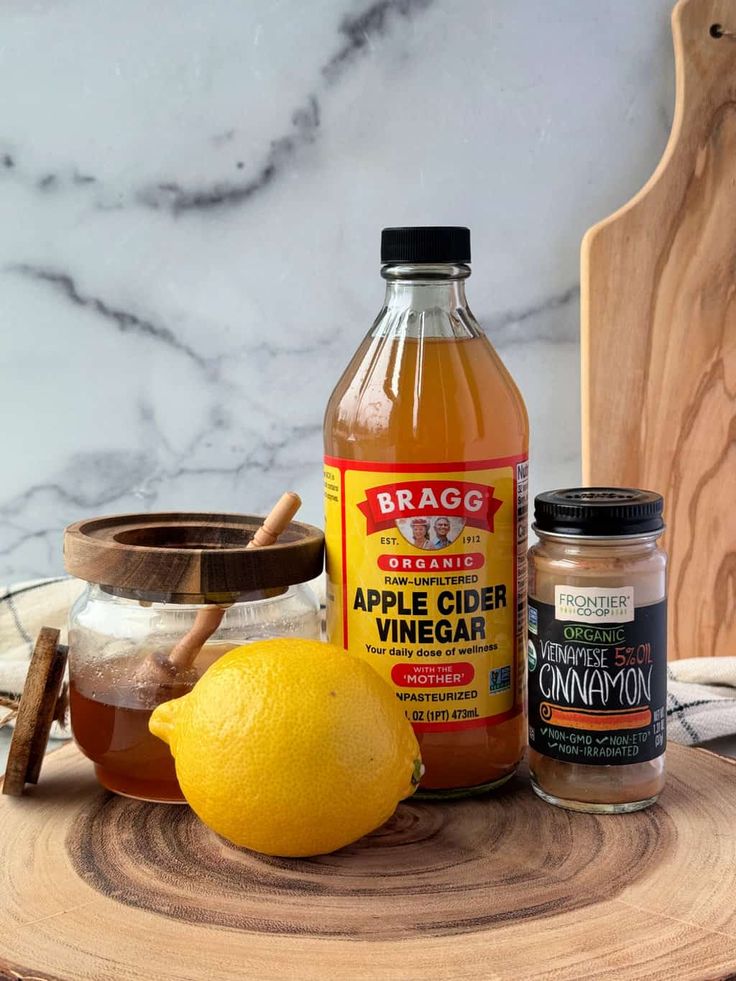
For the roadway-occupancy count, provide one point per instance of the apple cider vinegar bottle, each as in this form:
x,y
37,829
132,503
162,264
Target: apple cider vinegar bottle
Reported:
x,y
426,477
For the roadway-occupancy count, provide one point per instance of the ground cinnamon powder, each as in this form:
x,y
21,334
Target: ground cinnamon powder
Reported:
x,y
597,649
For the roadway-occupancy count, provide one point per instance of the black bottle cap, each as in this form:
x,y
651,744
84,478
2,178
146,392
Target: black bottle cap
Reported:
x,y
598,511
426,243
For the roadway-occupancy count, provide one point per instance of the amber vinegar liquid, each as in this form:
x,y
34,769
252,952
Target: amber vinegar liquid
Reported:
x,y
427,386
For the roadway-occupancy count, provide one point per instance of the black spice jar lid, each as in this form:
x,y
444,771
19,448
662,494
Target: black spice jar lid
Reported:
x,y
598,512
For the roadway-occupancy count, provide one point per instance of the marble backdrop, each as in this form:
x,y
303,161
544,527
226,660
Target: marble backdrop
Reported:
x,y
191,196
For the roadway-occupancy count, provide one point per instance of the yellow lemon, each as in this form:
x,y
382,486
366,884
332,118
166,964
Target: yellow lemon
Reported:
x,y
290,747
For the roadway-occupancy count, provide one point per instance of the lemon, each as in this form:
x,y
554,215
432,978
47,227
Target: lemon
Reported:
x,y
290,747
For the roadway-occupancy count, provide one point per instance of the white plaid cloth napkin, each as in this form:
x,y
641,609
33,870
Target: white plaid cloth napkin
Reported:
x,y
701,701
24,609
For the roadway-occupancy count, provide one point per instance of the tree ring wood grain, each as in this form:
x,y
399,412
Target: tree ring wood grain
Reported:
x,y
495,888
433,870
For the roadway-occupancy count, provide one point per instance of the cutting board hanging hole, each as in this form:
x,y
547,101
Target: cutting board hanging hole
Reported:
x,y
718,31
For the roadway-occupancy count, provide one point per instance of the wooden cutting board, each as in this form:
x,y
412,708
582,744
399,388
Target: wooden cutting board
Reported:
x,y
95,886
658,286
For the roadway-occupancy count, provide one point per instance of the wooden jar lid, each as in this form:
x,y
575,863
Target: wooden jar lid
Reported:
x,y
43,700
189,553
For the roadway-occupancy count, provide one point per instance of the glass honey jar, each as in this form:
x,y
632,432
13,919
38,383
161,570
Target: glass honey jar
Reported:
x,y
597,649
166,596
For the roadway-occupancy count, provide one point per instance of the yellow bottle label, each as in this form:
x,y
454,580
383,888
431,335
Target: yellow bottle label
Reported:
x,y
426,580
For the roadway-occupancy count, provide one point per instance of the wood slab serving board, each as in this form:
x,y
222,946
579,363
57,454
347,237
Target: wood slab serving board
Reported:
x,y
658,291
95,886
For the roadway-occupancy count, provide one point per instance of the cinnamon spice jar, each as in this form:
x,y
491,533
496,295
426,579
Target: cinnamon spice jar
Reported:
x,y
597,649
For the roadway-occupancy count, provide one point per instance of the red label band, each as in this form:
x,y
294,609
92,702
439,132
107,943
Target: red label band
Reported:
x,y
472,502
431,563
432,675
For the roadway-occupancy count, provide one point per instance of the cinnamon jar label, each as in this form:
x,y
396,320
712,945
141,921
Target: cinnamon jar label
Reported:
x,y
597,682
426,577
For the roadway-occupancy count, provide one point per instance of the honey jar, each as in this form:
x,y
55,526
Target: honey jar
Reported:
x,y
167,595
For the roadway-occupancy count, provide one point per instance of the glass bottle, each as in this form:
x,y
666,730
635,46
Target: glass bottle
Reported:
x,y
597,649
426,443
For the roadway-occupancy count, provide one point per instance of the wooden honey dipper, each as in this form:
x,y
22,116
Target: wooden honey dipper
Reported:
x,y
162,669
